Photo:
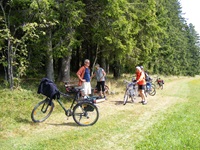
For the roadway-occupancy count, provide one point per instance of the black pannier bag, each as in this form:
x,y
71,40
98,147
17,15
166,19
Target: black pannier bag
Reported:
x,y
88,108
48,88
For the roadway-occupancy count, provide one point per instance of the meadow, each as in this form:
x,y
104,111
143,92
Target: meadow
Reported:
x,y
170,120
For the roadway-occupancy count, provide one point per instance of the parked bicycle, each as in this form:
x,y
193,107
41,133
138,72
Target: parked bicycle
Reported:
x,y
130,92
150,89
159,83
84,112
95,91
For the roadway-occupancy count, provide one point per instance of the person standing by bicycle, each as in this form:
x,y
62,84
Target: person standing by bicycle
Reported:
x,y
140,80
100,76
84,78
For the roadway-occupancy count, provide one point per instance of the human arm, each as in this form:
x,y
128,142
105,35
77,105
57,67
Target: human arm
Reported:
x,y
94,74
104,74
80,74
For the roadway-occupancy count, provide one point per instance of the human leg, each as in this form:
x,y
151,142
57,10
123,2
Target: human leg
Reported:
x,y
87,88
103,88
141,89
99,88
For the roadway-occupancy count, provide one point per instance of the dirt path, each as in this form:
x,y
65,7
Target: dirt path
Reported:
x,y
161,101
146,114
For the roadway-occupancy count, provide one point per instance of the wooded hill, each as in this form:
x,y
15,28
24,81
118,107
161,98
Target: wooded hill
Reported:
x,y
53,37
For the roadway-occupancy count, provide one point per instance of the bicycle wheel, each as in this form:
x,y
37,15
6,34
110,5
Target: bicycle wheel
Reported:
x,y
152,91
153,85
125,97
42,110
161,86
85,114
107,89
156,85
132,99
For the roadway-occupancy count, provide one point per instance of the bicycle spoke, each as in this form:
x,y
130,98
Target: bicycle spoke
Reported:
x,y
85,114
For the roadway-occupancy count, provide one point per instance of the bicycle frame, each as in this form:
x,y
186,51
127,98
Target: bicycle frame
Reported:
x,y
67,111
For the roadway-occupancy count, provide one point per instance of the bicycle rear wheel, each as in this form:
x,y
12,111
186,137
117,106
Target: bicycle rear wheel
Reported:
x,y
152,91
42,110
161,86
85,114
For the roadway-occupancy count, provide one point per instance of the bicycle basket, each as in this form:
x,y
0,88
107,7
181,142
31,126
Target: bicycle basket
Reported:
x,y
88,108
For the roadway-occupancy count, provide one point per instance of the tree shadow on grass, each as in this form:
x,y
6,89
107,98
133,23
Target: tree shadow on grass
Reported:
x,y
26,121
64,124
122,102
23,120
118,102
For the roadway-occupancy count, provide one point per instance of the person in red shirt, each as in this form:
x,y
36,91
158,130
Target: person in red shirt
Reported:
x,y
140,80
84,78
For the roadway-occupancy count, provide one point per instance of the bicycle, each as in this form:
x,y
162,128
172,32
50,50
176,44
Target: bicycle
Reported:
x,y
130,91
159,83
150,89
84,112
95,91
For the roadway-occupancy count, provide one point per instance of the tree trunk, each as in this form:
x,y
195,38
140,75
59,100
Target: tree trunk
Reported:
x,y
107,67
64,71
116,69
95,59
10,67
49,58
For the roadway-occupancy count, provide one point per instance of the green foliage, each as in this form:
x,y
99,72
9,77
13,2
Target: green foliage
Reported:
x,y
151,33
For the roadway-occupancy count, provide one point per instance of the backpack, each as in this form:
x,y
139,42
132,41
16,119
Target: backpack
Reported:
x,y
147,77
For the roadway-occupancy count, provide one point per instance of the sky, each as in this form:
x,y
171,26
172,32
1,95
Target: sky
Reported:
x,y
191,10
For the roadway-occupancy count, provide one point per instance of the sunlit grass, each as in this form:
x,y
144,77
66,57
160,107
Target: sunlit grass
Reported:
x,y
180,128
119,127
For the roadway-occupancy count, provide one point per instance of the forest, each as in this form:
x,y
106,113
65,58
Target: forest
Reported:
x,y
53,37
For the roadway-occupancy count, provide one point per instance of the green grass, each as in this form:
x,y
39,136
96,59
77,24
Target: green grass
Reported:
x,y
180,128
120,128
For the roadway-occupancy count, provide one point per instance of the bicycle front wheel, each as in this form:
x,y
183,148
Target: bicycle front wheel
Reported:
x,y
42,110
125,97
85,114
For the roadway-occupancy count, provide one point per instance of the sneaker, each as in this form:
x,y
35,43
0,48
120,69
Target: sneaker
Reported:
x,y
105,97
141,101
144,102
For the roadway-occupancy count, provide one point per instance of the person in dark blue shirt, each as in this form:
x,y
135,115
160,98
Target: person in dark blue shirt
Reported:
x,y
84,77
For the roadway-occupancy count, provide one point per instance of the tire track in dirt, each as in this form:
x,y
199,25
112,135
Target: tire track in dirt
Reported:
x,y
147,115
173,92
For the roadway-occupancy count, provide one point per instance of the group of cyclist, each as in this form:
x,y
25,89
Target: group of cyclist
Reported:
x,y
85,80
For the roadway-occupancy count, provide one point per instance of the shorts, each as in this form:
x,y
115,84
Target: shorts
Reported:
x,y
101,86
86,88
141,87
